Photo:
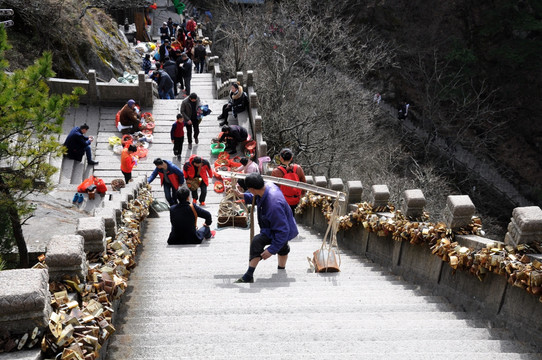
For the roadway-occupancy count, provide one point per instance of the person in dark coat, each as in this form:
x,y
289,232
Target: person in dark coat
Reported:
x,y
186,71
78,144
146,66
183,221
171,68
199,56
164,32
189,111
165,85
163,51
233,135
238,103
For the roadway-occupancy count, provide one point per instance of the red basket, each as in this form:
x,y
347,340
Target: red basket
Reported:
x,y
127,140
219,187
142,152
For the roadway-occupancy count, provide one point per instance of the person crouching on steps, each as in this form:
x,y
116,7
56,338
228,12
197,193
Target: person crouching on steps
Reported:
x,y
177,136
171,177
198,172
127,162
183,217
277,224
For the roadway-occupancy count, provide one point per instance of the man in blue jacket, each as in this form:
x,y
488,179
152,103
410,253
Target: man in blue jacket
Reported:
x,y
171,177
78,144
277,224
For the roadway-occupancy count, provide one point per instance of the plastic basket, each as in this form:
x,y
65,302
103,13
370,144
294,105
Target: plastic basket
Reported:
x,y
217,148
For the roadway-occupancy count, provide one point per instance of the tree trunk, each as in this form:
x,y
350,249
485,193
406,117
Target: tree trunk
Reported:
x,y
16,227
19,237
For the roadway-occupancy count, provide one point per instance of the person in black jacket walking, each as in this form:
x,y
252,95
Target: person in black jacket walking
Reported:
x,y
186,70
183,217
171,68
199,56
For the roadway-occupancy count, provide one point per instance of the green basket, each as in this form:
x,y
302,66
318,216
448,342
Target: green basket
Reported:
x,y
217,148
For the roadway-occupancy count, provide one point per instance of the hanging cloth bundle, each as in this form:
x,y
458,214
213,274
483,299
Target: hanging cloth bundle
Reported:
x,y
327,258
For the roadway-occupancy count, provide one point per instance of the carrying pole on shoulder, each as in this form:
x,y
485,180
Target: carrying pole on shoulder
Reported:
x,y
341,196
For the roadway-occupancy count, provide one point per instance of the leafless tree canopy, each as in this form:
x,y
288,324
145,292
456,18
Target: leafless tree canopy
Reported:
x,y
312,73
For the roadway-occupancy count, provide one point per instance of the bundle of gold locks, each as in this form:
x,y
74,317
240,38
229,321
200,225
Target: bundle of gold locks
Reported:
x,y
81,319
512,262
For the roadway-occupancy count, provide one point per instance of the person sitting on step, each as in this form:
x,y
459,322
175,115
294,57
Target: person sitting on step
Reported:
x,y
183,217
238,103
78,144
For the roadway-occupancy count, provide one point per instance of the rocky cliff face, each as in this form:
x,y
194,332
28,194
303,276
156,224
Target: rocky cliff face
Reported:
x,y
77,43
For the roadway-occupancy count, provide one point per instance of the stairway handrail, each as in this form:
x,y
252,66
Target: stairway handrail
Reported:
x,y
292,183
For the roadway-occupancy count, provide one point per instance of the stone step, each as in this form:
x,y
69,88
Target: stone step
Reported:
x,y
331,332
295,347
395,323
357,356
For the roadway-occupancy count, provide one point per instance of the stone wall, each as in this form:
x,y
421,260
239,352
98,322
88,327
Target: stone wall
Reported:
x,y
102,93
25,301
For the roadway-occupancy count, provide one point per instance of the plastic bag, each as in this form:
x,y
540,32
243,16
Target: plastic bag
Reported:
x,y
100,185
85,184
114,140
117,149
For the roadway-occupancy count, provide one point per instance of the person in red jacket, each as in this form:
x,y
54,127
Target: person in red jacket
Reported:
x,y
177,136
191,27
197,172
288,170
127,162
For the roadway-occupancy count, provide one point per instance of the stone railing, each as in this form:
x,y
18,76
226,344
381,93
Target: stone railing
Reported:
x,y
25,302
102,93
502,299
253,120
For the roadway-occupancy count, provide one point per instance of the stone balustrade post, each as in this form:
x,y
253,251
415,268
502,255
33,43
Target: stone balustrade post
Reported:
x,y
413,203
320,181
92,229
25,301
380,195
250,78
253,100
141,89
239,75
109,215
338,185
92,91
459,211
65,255
525,226
354,191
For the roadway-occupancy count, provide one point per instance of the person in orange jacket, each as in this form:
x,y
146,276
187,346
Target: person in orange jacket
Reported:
x,y
197,172
127,162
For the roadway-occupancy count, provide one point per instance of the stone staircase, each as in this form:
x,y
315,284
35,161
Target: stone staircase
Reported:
x,y
182,303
